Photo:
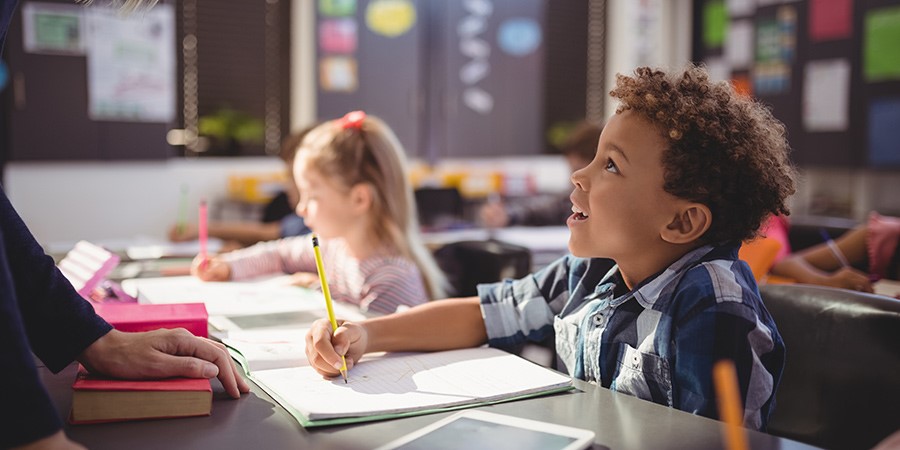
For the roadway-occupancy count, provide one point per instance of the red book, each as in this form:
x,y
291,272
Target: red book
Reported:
x,y
145,317
98,399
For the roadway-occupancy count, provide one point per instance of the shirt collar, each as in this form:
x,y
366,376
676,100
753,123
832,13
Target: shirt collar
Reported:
x,y
648,292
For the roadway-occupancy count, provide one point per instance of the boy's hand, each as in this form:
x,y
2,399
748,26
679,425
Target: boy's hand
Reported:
x,y
162,354
214,270
183,232
850,278
324,350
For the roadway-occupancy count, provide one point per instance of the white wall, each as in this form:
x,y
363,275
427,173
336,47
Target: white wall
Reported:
x,y
67,201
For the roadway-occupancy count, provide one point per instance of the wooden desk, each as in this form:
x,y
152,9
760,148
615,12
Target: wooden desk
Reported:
x,y
257,422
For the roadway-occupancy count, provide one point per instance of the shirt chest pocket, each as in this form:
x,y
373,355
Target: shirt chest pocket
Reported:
x,y
643,375
566,331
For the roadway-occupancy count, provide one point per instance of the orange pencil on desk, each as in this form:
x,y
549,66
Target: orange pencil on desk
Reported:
x,y
730,408
202,234
327,293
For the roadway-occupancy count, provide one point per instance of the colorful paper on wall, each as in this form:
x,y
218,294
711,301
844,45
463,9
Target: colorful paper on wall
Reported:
x,y
884,134
826,95
337,35
337,8
338,74
881,41
739,45
741,8
390,18
131,64
715,23
776,41
830,19
53,28
742,85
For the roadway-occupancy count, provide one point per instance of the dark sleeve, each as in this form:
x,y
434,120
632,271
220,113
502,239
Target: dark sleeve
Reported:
x,y
277,208
58,322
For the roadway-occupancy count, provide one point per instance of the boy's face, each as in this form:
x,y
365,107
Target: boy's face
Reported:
x,y
619,202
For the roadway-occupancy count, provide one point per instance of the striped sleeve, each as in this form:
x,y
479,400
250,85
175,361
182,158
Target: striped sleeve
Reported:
x,y
289,255
394,282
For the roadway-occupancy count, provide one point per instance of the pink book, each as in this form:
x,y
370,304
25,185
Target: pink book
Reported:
x,y
145,317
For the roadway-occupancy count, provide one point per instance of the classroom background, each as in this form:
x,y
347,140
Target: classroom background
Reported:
x,y
106,119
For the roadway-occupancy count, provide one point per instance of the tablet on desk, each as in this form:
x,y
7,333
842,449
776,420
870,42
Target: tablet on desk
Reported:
x,y
475,429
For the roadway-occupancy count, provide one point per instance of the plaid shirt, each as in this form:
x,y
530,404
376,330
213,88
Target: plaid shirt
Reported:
x,y
658,341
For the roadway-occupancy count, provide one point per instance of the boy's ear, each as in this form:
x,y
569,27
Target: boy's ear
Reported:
x,y
361,197
689,224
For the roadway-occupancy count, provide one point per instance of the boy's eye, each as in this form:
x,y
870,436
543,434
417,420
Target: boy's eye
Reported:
x,y
611,166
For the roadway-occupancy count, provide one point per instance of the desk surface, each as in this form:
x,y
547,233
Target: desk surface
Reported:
x,y
256,421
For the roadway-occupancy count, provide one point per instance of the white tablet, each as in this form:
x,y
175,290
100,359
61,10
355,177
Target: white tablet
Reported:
x,y
475,429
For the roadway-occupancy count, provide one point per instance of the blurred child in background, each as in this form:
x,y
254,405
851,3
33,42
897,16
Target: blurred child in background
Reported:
x,y
355,194
578,149
279,220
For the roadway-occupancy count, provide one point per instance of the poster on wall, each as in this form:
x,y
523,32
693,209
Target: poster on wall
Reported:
x,y
881,38
53,28
826,95
131,64
338,74
830,19
884,134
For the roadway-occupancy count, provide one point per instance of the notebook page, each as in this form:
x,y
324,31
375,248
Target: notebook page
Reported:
x,y
403,382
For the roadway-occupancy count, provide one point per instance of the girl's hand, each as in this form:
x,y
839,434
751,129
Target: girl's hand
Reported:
x,y
305,279
324,349
850,278
213,270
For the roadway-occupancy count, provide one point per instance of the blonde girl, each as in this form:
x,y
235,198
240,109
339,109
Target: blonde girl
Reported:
x,y
355,194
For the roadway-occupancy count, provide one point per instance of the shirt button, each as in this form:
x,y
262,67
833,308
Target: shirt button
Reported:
x,y
635,361
598,320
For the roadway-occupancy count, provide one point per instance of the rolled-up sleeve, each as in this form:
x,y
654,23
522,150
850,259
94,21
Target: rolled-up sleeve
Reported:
x,y
522,310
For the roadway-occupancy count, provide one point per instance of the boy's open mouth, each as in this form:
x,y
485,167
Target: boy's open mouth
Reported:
x,y
578,214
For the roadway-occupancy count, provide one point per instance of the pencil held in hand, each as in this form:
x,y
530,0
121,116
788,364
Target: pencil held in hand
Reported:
x,y
730,409
321,269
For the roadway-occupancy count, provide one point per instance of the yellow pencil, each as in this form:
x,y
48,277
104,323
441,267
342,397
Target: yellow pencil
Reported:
x,y
327,293
730,409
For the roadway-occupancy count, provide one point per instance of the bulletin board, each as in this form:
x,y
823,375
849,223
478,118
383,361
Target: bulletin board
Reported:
x,y
829,69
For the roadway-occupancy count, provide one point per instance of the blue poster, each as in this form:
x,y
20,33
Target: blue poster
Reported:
x,y
884,134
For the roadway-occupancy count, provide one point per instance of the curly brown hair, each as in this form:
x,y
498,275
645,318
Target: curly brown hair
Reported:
x,y
724,150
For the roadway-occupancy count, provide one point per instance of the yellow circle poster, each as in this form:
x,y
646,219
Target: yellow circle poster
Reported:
x,y
390,18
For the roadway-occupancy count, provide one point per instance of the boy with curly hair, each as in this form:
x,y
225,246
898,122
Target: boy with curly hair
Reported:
x,y
685,171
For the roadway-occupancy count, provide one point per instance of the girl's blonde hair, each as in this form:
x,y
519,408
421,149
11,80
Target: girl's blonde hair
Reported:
x,y
365,150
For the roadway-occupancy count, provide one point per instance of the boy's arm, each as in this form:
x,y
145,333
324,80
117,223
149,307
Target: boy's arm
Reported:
x,y
439,325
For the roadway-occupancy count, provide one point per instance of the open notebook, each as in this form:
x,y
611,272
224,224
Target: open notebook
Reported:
x,y
384,386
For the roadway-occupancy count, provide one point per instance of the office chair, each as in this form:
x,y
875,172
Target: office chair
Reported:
x,y
469,263
841,382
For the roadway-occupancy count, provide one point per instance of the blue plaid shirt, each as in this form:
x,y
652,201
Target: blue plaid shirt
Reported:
x,y
658,341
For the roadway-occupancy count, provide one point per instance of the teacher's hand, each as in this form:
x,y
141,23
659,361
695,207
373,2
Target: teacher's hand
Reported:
x,y
163,354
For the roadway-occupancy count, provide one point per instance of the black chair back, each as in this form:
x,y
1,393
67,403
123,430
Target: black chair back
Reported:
x,y
469,263
841,383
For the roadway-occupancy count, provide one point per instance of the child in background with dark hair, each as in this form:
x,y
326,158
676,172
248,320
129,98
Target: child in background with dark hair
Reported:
x,y
578,149
278,218
355,194
871,246
685,171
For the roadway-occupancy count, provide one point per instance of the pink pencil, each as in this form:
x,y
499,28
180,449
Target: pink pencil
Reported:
x,y
202,232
